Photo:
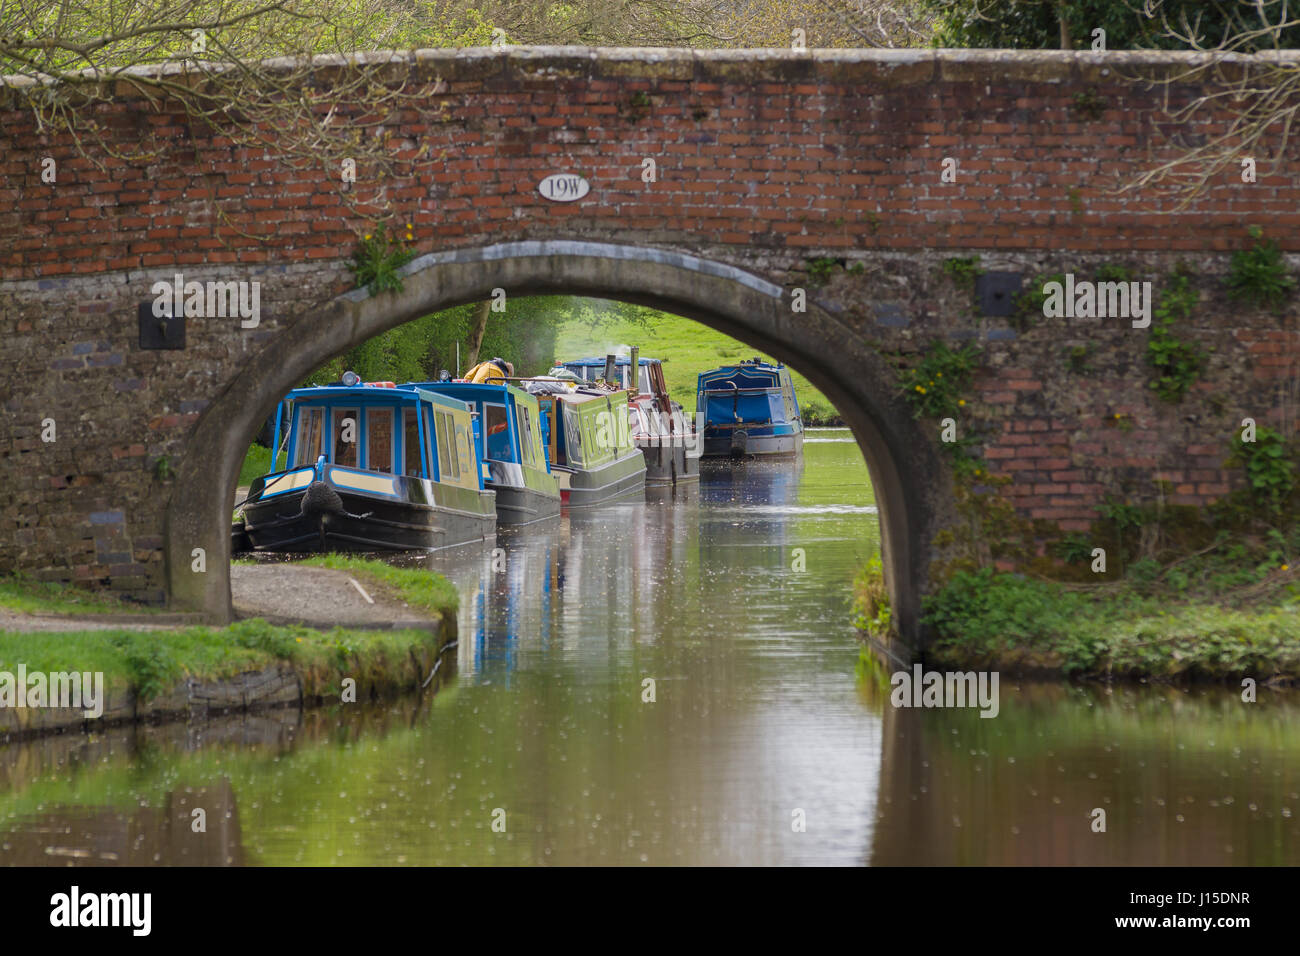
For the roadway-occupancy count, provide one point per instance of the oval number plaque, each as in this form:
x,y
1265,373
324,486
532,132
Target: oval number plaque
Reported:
x,y
563,187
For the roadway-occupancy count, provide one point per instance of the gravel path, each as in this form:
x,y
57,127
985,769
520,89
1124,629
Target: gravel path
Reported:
x,y
18,621
319,597
280,593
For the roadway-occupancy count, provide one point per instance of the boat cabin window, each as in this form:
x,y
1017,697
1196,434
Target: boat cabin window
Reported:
x,y
643,380
379,439
448,459
496,425
411,450
528,436
791,402
572,435
311,426
466,462
347,425
431,443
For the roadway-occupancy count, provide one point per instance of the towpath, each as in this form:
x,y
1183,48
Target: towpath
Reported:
x,y
319,597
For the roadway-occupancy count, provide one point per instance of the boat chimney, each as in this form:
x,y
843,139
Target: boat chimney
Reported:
x,y
634,371
611,367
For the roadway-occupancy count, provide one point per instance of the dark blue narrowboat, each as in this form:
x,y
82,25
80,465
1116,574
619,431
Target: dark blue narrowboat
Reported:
x,y
371,467
749,410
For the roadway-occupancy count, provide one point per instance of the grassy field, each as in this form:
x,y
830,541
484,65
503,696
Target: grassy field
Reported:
x,y
257,462
687,348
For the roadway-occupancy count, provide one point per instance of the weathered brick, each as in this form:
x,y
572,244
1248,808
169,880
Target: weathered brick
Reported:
x,y
752,174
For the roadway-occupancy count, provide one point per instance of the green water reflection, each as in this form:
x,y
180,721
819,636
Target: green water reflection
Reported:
x,y
733,599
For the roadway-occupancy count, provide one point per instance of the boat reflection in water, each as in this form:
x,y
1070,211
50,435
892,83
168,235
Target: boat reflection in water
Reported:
x,y
749,505
535,593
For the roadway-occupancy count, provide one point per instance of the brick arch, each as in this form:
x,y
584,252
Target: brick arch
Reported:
x,y
731,300
819,169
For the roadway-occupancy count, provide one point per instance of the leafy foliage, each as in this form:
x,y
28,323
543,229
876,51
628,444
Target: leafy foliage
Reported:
x,y
871,608
1029,303
1088,104
984,606
377,259
524,334
936,385
1269,467
151,664
967,464
1111,272
963,270
820,270
1129,24
1078,356
1258,275
1177,363
1008,621
1073,548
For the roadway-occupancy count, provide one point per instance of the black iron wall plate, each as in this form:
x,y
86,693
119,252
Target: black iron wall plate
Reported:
x,y
167,332
996,292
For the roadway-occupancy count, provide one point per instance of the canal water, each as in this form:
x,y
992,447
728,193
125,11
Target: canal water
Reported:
x,y
675,681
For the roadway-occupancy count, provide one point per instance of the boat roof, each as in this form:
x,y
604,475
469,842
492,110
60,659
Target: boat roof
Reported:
x,y
471,391
772,376
749,365
371,394
580,396
618,360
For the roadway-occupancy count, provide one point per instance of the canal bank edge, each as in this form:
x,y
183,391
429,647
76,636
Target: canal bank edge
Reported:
x,y
1030,627
406,661
173,673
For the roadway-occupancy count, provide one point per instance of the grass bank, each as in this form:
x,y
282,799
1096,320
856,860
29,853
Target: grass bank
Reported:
x,y
1004,621
1136,628
150,663
687,348
182,664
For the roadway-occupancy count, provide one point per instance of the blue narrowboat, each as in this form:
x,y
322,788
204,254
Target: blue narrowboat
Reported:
x,y
508,432
749,409
371,467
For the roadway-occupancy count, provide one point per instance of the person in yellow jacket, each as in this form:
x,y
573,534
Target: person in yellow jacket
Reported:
x,y
494,371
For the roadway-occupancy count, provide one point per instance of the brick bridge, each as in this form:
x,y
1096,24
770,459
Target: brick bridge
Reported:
x,y
776,172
